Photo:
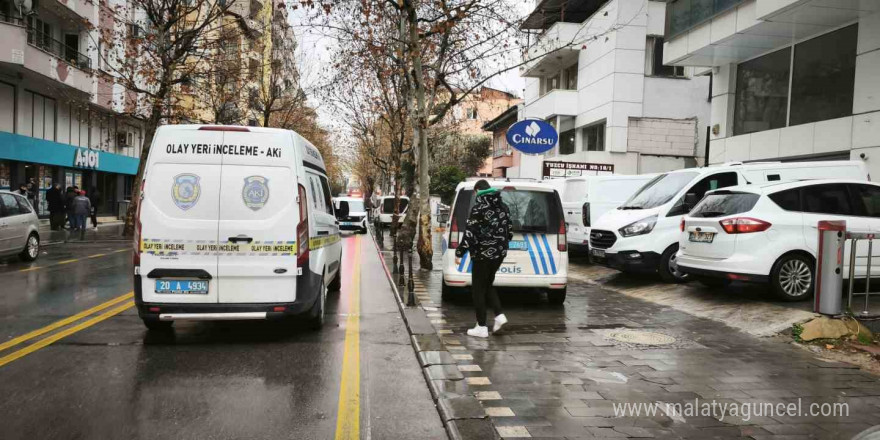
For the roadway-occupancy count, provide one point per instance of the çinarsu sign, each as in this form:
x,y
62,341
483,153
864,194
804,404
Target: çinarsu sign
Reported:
x,y
532,136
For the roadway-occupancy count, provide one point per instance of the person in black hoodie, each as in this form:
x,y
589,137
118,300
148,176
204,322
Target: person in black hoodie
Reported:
x,y
486,238
55,200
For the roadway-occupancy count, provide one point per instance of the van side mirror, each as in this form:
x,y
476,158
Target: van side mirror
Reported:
x,y
343,210
691,200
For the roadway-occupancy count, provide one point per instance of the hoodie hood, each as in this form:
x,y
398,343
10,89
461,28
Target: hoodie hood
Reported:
x,y
487,191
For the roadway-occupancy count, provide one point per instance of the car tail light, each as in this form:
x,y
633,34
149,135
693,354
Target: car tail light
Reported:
x,y
562,237
454,235
744,225
302,231
224,128
683,225
136,255
585,214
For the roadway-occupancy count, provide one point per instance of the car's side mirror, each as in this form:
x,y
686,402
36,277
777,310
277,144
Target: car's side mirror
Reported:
x,y
691,200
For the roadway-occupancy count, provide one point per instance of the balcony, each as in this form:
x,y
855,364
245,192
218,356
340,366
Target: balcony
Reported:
x,y
556,49
38,53
555,103
73,10
505,160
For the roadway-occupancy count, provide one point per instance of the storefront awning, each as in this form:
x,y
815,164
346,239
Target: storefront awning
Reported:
x,y
27,149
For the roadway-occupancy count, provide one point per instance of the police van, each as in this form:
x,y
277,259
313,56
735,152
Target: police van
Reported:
x,y
385,210
234,223
538,253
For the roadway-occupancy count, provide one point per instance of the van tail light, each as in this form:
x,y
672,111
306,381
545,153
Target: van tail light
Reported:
x,y
302,231
682,227
585,214
744,225
136,255
562,237
224,128
454,235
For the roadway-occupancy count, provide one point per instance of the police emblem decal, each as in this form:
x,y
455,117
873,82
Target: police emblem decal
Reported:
x,y
186,191
255,192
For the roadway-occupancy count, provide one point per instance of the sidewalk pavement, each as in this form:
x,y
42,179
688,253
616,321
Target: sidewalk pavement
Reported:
x,y
105,232
558,372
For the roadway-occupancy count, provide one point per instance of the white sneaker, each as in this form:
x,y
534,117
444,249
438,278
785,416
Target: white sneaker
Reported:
x,y
479,331
500,320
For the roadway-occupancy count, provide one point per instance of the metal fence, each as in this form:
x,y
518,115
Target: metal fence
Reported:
x,y
853,238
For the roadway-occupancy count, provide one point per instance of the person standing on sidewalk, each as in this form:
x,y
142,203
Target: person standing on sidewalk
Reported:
x,y
81,210
55,200
68,205
95,199
486,238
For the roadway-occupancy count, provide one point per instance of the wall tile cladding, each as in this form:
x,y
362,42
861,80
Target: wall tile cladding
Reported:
x,y
674,137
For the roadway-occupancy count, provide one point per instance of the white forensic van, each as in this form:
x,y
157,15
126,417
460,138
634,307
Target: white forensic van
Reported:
x,y
234,223
538,253
385,210
642,235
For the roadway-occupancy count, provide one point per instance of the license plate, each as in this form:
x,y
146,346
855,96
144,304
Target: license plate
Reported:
x,y
346,223
518,245
182,287
598,253
702,237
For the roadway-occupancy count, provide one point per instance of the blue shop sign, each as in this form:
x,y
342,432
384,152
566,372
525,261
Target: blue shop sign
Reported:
x,y
532,136
28,149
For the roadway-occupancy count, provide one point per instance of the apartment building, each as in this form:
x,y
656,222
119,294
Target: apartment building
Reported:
x,y
477,109
63,117
595,71
793,79
504,156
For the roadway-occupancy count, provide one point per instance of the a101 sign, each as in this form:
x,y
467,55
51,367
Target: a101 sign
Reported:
x,y
532,136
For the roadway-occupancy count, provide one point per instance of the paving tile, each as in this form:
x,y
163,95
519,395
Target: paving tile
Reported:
x,y
427,343
427,358
478,380
472,429
487,395
460,408
462,357
447,372
499,411
469,368
513,432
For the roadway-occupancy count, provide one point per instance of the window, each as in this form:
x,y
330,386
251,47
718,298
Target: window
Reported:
x,y
724,204
827,199
315,193
571,78
659,190
24,206
594,137
552,83
40,113
789,200
472,113
530,211
654,60
683,15
328,199
869,198
715,181
10,205
39,33
762,93
566,142
823,77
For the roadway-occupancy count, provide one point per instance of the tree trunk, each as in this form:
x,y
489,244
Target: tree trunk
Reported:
x,y
149,133
425,245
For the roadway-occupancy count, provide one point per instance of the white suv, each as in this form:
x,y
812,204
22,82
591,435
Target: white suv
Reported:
x,y
768,232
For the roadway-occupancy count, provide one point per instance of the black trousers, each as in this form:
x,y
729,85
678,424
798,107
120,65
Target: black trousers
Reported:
x,y
483,277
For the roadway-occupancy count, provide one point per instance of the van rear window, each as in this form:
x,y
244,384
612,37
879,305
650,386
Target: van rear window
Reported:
x,y
530,211
388,205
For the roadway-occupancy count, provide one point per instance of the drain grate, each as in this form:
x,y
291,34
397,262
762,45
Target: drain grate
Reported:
x,y
641,338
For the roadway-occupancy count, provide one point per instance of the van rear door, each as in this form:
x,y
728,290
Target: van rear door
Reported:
x,y
258,217
179,215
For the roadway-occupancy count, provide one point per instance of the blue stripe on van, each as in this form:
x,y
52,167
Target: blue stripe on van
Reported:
x,y
470,266
549,253
540,253
463,261
532,255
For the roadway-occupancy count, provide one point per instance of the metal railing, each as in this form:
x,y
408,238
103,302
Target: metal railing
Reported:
x,y
58,49
854,238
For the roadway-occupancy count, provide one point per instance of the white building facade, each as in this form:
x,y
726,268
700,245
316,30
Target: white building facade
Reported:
x,y
596,74
792,79
62,116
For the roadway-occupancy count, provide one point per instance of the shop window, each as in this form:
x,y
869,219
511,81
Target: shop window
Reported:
x,y
594,137
823,77
654,60
762,93
567,142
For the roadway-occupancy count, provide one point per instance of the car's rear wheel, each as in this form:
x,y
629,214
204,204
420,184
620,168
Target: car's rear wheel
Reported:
x,y
714,282
31,249
669,270
316,318
155,325
793,277
555,296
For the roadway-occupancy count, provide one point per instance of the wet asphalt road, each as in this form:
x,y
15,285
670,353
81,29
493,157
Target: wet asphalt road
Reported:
x,y
254,380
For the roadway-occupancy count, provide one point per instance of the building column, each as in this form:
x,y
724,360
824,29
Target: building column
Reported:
x,y
723,107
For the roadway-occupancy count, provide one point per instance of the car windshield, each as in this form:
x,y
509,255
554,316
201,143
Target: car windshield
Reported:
x,y
353,205
659,190
530,211
388,205
724,204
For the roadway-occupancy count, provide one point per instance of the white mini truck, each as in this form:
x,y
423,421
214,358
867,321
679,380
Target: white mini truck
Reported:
x,y
234,223
538,254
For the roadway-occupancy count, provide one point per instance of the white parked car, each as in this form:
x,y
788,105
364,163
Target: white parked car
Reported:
x,y
234,223
19,227
385,210
768,232
642,235
538,253
351,214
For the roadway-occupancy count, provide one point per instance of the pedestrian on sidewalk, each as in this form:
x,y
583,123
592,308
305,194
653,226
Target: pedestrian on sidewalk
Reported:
x,y
81,209
95,199
55,200
68,205
486,238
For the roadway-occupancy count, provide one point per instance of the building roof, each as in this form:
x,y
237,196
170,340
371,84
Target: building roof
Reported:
x,y
508,117
550,12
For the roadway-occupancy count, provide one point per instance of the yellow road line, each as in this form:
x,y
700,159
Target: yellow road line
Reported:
x,y
31,269
65,321
62,334
348,418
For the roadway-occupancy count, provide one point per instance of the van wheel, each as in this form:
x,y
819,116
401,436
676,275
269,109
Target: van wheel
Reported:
x,y
316,320
336,284
713,282
154,325
557,297
793,277
31,249
449,293
669,270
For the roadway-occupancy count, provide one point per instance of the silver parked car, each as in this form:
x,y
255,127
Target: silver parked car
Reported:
x,y
19,227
